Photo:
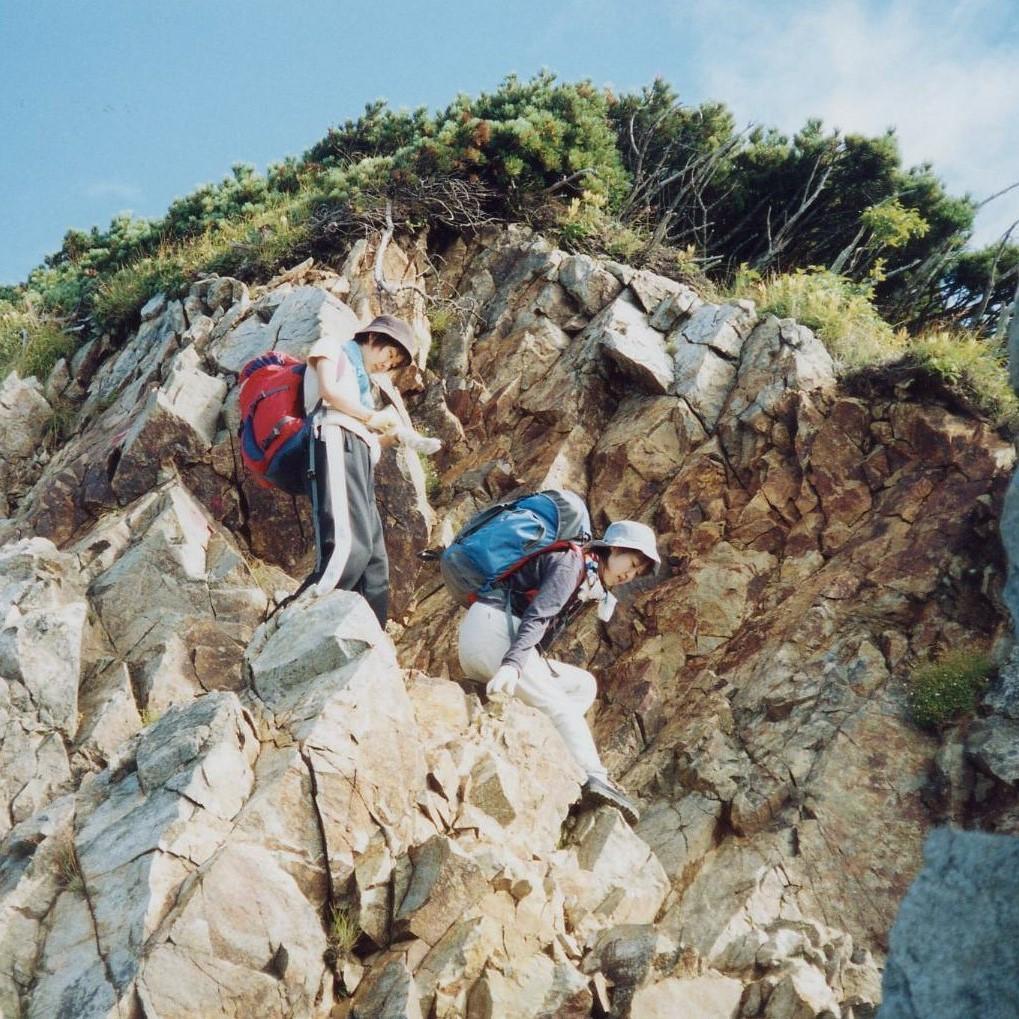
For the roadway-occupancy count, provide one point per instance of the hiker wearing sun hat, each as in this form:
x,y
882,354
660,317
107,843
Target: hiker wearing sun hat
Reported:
x,y
515,614
349,437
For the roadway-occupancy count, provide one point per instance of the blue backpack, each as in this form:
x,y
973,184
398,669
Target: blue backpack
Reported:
x,y
498,540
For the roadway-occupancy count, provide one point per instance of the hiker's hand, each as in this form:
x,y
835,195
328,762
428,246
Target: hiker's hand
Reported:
x,y
380,421
387,439
503,682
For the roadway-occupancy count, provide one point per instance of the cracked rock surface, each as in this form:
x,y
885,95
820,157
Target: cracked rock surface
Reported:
x,y
212,808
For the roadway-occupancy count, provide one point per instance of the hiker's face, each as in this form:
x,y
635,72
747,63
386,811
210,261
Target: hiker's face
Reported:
x,y
621,566
381,357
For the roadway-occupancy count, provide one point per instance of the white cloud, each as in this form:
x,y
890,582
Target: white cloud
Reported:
x,y
945,75
115,190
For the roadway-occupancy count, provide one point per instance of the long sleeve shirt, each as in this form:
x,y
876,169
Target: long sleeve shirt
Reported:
x,y
555,576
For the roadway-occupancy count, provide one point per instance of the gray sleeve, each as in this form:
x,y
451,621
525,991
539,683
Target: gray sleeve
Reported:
x,y
560,574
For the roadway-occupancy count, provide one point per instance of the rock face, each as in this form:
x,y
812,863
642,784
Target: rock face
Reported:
x,y
955,943
25,415
213,808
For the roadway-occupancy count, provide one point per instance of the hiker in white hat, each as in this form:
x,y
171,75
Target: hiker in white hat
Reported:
x,y
511,623
349,436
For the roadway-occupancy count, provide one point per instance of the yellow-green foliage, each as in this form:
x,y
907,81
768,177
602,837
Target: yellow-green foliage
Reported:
x,y
30,342
584,224
441,318
68,870
838,310
976,367
259,242
149,716
343,931
948,687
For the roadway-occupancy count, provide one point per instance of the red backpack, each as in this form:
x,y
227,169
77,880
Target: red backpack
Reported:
x,y
274,430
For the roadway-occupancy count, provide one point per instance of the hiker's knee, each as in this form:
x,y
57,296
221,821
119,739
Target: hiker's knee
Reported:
x,y
482,642
576,683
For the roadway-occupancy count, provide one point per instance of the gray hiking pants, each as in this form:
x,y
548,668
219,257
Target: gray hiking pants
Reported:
x,y
367,568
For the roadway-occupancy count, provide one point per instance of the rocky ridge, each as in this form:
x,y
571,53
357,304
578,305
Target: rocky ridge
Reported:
x,y
211,813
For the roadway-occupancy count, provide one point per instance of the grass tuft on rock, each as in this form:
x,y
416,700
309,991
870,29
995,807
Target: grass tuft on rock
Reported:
x,y
31,342
948,688
343,932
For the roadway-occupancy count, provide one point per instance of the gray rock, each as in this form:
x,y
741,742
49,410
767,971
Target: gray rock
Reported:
x,y
324,635
588,283
651,290
390,994
721,327
239,344
24,420
153,307
308,313
444,886
178,421
623,332
993,745
675,308
1009,530
955,943
704,378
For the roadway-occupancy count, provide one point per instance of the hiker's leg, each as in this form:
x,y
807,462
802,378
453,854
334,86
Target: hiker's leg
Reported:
x,y
374,583
565,704
576,684
367,568
325,517
484,640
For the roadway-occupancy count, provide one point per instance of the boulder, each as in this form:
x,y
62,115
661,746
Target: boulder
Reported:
x,y
590,285
444,886
180,603
307,314
711,996
623,332
44,639
178,421
616,879
25,417
955,941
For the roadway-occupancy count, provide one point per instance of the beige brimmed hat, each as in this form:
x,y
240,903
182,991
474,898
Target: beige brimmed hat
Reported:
x,y
630,534
396,329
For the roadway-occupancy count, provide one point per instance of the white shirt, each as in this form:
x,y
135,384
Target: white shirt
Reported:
x,y
331,347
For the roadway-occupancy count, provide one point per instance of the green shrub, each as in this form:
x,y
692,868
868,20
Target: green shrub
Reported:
x,y
948,687
839,311
31,343
976,367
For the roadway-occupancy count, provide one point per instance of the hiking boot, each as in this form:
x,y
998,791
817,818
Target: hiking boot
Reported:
x,y
598,791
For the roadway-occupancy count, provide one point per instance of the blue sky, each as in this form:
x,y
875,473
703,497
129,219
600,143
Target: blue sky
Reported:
x,y
114,105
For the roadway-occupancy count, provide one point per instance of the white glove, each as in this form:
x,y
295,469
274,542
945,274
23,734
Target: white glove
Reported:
x,y
419,443
503,682
383,420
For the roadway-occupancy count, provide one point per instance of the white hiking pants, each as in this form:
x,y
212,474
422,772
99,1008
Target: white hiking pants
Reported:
x,y
563,692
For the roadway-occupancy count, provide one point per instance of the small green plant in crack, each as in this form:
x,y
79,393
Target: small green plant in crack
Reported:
x,y
68,870
149,716
343,932
948,687
433,484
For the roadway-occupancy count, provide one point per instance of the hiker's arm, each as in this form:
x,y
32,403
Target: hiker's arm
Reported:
x,y
332,395
560,574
